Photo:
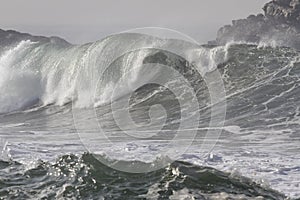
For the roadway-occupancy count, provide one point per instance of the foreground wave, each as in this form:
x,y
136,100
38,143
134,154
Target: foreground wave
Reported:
x,y
84,177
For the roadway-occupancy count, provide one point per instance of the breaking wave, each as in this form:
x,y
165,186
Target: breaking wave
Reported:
x,y
41,73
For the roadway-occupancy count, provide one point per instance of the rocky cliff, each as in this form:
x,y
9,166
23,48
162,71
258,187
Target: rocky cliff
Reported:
x,y
10,37
284,11
279,25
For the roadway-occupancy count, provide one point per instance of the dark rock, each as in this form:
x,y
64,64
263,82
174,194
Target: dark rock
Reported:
x,y
285,11
11,37
280,23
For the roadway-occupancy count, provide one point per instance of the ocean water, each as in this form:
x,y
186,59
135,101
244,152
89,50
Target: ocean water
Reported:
x,y
134,116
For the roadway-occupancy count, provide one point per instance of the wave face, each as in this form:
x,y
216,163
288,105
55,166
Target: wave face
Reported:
x,y
47,72
47,84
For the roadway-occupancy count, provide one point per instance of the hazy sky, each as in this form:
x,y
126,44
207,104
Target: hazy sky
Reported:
x,y
90,20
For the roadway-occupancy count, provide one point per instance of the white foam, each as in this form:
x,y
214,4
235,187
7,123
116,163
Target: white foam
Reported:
x,y
19,85
46,73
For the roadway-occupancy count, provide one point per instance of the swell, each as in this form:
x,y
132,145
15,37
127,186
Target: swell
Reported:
x,y
84,177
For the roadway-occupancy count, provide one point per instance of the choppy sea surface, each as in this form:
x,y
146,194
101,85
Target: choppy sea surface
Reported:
x,y
77,121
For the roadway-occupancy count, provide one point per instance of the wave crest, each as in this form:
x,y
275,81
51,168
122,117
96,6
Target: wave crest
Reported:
x,y
39,72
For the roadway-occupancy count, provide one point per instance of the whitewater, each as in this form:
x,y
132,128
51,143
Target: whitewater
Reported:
x,y
77,120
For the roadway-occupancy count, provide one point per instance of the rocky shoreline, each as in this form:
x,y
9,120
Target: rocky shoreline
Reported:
x,y
279,25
